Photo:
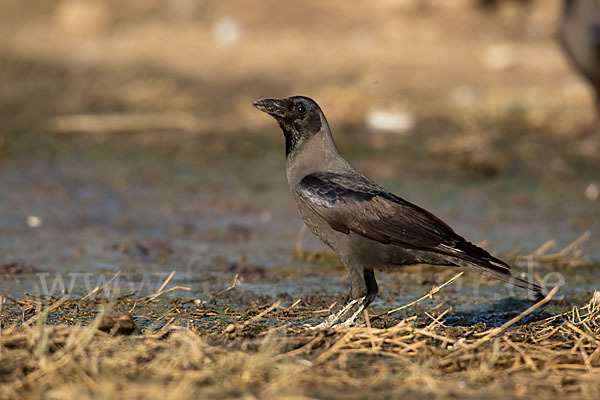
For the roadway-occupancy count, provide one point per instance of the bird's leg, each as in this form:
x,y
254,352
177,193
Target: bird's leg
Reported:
x,y
333,318
368,285
372,289
364,302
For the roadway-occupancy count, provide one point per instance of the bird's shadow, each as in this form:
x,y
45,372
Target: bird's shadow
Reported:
x,y
497,313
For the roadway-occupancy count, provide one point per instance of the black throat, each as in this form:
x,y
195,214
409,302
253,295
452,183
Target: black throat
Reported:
x,y
293,140
298,132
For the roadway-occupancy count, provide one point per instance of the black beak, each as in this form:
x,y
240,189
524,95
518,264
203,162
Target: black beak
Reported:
x,y
272,107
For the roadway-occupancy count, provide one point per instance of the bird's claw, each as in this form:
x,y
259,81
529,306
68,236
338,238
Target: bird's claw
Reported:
x,y
330,321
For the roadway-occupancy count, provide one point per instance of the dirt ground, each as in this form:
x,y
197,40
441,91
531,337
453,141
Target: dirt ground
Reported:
x,y
129,149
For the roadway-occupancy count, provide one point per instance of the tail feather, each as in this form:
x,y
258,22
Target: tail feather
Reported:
x,y
504,276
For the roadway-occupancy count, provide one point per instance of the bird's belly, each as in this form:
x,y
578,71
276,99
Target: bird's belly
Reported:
x,y
321,229
360,249
384,256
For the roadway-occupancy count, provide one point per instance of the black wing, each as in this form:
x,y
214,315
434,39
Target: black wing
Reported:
x,y
353,203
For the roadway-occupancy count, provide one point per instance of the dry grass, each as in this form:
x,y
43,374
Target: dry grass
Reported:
x,y
551,357
161,73
570,255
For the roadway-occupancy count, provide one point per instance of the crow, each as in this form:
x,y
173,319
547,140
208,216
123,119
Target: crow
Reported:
x,y
368,227
579,29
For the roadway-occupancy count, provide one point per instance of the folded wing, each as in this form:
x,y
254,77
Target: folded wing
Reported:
x,y
352,203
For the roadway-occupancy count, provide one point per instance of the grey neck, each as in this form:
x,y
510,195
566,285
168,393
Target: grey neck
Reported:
x,y
319,153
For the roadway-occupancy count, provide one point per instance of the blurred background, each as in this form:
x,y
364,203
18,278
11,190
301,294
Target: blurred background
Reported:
x,y
128,141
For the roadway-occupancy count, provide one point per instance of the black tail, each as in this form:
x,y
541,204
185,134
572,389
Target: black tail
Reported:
x,y
500,274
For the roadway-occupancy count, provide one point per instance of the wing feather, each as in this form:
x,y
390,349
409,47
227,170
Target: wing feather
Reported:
x,y
353,203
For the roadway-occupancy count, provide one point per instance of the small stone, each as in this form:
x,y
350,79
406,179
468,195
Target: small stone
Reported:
x,y
265,217
199,302
390,121
592,191
34,222
227,31
119,323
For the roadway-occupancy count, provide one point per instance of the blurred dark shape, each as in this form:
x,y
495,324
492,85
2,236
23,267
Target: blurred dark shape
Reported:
x,y
580,36
493,4
17,268
118,323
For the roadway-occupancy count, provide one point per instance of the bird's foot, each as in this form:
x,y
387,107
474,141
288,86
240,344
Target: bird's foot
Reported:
x,y
350,321
330,322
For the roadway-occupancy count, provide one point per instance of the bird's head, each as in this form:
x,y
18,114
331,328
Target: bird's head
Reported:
x,y
299,118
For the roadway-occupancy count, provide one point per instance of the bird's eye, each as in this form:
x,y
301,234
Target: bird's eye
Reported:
x,y
301,109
